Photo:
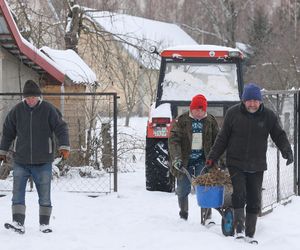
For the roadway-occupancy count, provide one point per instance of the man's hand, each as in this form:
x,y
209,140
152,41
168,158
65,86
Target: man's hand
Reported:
x,y
64,153
177,164
209,163
289,156
3,158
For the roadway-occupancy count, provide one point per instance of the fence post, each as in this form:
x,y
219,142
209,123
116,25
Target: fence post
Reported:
x,y
115,144
296,148
278,155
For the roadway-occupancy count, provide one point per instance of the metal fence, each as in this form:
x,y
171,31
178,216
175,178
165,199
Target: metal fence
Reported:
x,y
92,121
280,181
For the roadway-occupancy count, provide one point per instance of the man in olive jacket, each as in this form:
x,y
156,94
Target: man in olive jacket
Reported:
x,y
244,136
30,126
192,135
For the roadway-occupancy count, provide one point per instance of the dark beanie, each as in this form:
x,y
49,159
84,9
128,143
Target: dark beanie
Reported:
x,y
251,92
31,89
198,102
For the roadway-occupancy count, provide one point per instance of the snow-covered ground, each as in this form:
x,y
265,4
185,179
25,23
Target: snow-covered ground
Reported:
x,y
136,219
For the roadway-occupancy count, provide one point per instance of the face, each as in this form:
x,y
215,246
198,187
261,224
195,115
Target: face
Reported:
x,y
198,113
252,105
31,100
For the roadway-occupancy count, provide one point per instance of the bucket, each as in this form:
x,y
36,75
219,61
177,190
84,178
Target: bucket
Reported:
x,y
210,197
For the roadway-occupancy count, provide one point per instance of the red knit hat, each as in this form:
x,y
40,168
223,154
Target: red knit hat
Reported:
x,y
198,102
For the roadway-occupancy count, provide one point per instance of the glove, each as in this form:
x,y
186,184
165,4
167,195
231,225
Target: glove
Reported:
x,y
3,158
209,163
177,164
64,153
289,156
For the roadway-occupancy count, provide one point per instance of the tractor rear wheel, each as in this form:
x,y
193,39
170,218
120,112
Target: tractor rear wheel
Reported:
x,y
158,176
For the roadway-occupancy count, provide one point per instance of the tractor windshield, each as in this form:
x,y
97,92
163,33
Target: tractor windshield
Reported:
x,y
218,82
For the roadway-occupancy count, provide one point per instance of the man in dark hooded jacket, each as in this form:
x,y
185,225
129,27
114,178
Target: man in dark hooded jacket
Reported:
x,y
244,136
30,127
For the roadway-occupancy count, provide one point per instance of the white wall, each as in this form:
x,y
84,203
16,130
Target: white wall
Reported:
x,y
13,75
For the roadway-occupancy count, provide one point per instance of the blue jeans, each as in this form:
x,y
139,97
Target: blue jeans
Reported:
x,y
183,183
41,175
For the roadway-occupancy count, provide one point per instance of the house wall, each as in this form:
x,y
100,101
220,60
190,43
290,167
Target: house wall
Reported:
x,y
114,66
13,75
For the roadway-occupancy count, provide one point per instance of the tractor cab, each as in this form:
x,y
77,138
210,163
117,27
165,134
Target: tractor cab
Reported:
x,y
185,71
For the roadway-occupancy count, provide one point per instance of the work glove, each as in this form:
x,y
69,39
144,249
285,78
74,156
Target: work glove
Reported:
x,y
209,163
288,155
177,164
3,158
64,153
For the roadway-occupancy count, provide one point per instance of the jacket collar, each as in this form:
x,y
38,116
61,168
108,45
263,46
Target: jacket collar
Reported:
x,y
35,107
245,111
191,116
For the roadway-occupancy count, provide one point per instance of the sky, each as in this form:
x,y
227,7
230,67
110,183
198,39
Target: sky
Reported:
x,y
136,219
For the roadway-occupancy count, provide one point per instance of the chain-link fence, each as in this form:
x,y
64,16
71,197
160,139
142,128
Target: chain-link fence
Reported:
x,y
280,181
92,121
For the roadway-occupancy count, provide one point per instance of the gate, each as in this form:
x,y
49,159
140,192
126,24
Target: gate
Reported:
x,y
281,181
92,121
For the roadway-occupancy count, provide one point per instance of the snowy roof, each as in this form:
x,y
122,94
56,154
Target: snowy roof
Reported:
x,y
205,47
71,64
141,32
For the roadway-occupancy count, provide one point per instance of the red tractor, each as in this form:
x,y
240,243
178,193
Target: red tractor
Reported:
x,y
185,71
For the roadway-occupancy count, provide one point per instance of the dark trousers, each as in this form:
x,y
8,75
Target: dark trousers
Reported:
x,y
246,189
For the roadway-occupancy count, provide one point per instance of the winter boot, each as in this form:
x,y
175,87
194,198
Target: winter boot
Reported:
x,y
18,217
45,213
183,203
250,227
18,214
239,223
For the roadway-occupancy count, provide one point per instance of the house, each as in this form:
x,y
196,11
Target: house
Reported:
x,y
56,71
123,59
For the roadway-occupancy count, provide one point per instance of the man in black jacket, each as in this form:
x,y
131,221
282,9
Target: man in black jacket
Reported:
x,y
244,136
30,126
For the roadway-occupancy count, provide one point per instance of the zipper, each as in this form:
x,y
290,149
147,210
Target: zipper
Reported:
x,y
15,144
31,137
50,145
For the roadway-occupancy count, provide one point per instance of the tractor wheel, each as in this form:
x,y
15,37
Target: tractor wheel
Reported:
x,y
227,222
158,177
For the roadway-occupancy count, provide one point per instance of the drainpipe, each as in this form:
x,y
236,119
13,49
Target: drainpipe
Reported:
x,y
62,99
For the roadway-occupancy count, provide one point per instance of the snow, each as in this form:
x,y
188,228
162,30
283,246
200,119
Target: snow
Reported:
x,y
205,47
136,219
71,64
163,110
217,82
141,32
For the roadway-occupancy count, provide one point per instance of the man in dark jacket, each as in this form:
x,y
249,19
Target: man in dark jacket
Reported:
x,y
30,126
191,137
244,136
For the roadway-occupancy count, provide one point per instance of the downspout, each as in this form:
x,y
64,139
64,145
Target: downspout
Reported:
x,y
62,99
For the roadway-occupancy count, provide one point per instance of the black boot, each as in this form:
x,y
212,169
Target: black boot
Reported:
x,y
184,207
18,214
250,227
45,213
18,217
239,223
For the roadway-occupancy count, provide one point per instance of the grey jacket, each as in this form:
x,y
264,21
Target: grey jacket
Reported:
x,y
32,131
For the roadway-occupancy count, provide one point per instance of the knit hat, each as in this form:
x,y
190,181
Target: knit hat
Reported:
x,y
251,92
198,102
31,89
